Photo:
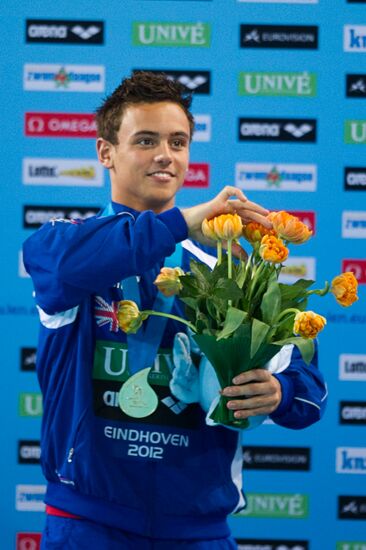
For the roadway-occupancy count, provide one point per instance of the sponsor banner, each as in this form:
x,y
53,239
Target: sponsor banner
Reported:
x,y
198,175
303,37
28,541
29,498
202,128
352,367
276,177
59,31
351,545
351,507
351,460
29,452
21,269
355,179
59,171
294,84
30,404
152,33
352,412
356,85
276,505
301,130
354,38
198,82
28,359
297,267
52,77
276,458
358,267
264,544
307,217
60,125
355,132
36,216
354,224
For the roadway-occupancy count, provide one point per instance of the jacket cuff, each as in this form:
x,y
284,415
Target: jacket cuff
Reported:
x,y
288,392
176,223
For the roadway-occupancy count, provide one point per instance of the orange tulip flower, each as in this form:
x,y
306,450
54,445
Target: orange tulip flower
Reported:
x,y
289,227
273,250
344,288
308,324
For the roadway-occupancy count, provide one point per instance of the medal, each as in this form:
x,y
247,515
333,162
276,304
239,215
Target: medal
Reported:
x,y
136,397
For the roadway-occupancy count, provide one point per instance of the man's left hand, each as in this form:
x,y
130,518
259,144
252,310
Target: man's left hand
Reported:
x,y
260,390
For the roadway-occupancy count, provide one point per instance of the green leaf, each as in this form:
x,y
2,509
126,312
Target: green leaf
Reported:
x,y
304,345
259,334
227,289
241,274
271,303
294,291
234,318
190,302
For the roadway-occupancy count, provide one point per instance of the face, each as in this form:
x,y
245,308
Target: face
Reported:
x,y
148,165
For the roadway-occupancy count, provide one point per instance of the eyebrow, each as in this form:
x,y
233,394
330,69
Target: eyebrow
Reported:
x,y
156,134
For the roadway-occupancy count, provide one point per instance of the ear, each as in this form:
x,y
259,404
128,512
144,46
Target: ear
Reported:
x,y
105,152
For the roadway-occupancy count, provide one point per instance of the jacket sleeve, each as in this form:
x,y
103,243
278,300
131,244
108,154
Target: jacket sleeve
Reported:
x,y
304,393
70,260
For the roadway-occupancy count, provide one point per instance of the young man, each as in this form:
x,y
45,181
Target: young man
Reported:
x,y
157,478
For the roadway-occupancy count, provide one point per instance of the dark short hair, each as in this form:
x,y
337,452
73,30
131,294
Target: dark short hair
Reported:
x,y
141,87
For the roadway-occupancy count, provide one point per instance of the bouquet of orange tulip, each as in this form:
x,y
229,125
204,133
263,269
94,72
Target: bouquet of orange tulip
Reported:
x,y
239,312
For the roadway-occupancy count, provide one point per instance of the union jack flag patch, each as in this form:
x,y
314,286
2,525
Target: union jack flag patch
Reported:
x,y
106,314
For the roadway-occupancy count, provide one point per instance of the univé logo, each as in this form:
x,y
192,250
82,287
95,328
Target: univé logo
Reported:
x,y
198,175
276,505
358,267
152,33
28,541
60,125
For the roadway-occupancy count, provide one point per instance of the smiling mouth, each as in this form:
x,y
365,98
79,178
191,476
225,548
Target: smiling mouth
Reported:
x,y
161,175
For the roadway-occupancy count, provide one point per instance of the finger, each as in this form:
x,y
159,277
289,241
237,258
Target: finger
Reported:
x,y
252,375
260,388
253,412
250,206
231,191
249,404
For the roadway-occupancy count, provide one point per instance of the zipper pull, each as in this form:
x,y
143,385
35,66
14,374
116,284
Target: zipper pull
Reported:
x,y
71,454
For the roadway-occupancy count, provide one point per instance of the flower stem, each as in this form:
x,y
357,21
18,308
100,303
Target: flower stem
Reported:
x,y
285,312
219,252
229,264
170,316
319,291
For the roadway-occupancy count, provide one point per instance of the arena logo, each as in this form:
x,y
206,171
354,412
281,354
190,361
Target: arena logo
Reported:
x,y
352,507
29,452
276,458
358,267
68,172
50,77
291,84
352,367
356,85
295,268
355,132
60,125
305,216
28,541
35,216
198,175
301,130
64,31
354,38
276,505
354,224
351,460
263,544
355,179
198,82
28,358
202,128
303,37
29,498
276,177
171,34
352,412
30,404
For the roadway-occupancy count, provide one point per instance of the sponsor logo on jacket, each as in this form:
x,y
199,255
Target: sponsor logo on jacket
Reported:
x,y
351,460
264,544
276,177
358,267
290,84
352,367
61,31
151,33
59,171
198,175
276,458
354,38
28,359
29,498
351,507
356,85
60,125
28,541
29,452
303,37
355,179
352,412
198,82
354,224
36,216
276,505
52,77
302,130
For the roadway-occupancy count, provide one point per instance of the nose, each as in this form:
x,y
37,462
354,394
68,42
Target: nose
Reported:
x,y
163,157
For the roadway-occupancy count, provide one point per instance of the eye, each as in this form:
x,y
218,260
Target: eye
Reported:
x,y
179,143
145,142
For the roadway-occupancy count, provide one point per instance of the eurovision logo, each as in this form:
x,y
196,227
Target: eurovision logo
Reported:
x,y
355,179
29,452
198,82
28,358
354,38
198,175
275,177
152,33
28,541
355,132
356,85
50,77
354,224
276,505
358,267
57,31
352,367
303,37
292,84
296,267
352,412
29,498
301,130
351,507
276,458
60,125
202,128
69,172
35,216
266,544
